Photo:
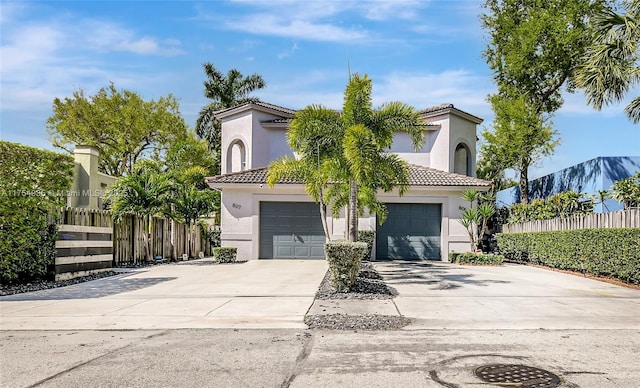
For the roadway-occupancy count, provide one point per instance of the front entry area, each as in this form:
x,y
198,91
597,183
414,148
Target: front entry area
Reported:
x,y
411,231
291,230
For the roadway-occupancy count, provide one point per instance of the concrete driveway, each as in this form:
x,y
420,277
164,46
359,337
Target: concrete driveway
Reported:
x,y
464,317
265,293
441,295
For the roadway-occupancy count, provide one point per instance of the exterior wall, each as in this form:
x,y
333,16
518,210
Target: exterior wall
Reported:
x,y
587,177
462,131
235,129
278,145
403,146
89,185
440,149
262,145
241,222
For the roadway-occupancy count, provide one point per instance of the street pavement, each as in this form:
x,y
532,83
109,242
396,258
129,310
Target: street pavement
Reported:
x,y
241,326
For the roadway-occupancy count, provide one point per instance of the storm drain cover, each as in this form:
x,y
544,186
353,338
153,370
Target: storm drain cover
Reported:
x,y
516,376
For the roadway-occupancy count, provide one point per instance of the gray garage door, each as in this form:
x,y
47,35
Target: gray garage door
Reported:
x,y
291,230
411,231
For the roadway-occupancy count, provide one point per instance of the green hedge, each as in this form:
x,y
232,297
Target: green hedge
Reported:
x,y
475,258
344,260
602,252
225,254
368,237
32,183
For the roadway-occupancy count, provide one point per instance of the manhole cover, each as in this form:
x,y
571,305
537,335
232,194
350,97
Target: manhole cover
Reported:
x,y
516,376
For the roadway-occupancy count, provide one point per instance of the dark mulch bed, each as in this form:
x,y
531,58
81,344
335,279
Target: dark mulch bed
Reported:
x,y
356,322
368,285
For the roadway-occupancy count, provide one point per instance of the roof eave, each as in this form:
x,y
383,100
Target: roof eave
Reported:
x,y
453,110
223,114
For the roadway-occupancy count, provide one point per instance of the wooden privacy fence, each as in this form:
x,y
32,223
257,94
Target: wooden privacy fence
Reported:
x,y
629,218
89,239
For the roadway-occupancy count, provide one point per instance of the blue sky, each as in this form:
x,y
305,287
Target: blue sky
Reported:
x,y
423,53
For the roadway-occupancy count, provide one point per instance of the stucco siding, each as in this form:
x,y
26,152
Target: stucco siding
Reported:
x,y
237,128
241,210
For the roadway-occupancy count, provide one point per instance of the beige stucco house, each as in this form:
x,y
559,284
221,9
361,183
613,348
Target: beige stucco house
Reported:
x,y
89,185
282,222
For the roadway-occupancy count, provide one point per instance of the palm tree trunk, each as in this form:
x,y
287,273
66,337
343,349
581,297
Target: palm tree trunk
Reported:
x,y
323,216
353,211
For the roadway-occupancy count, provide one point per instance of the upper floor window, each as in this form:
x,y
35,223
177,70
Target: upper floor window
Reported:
x,y
236,157
462,160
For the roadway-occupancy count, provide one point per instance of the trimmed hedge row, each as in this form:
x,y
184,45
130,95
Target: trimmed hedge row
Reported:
x,y
344,260
602,252
32,183
368,237
225,254
475,258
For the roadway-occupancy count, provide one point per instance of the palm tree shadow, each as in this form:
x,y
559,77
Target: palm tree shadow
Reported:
x,y
434,276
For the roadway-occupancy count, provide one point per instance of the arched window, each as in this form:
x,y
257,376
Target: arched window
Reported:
x,y
236,157
462,160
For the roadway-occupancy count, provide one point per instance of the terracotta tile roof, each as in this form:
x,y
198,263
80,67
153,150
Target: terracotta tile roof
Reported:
x,y
276,121
418,176
449,108
426,176
431,111
281,109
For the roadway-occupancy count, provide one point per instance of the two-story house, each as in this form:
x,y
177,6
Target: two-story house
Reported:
x,y
283,222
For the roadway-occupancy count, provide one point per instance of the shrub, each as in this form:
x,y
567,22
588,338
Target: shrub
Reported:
x,y
565,204
475,258
627,191
602,252
32,183
225,254
344,260
368,237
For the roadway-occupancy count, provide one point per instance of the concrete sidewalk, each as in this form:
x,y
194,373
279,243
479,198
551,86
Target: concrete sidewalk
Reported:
x,y
256,294
438,295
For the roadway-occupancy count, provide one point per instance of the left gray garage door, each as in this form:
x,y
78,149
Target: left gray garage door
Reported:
x,y
291,230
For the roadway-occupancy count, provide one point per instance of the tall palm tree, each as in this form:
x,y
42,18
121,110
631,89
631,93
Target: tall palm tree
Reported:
x,y
344,156
224,91
315,134
142,192
367,141
611,68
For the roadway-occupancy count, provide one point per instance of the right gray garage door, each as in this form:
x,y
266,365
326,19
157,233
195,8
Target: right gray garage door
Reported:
x,y
411,231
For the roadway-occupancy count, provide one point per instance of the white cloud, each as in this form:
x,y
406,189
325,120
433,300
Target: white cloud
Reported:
x,y
278,25
313,20
385,9
108,36
576,104
47,59
289,52
462,88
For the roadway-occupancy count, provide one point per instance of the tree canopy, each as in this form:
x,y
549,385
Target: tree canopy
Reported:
x,y
119,123
611,63
534,48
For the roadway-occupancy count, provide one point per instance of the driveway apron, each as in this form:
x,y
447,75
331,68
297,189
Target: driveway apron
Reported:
x,y
198,294
440,295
